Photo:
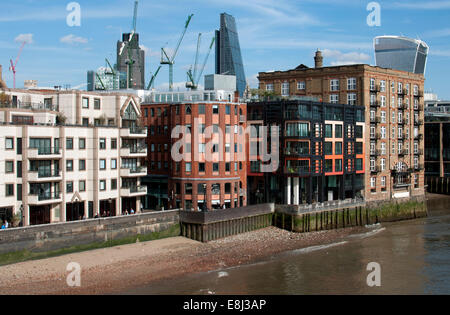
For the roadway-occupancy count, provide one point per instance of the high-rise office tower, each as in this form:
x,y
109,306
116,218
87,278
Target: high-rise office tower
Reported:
x,y
131,60
401,53
228,52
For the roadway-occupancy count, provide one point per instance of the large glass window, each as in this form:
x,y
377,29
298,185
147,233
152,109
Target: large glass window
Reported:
x,y
297,130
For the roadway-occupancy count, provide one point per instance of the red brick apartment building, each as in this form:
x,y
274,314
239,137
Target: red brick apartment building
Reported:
x,y
221,181
394,103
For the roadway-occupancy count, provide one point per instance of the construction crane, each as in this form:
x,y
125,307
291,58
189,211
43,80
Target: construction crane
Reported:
x,y
101,81
13,66
166,60
152,80
193,77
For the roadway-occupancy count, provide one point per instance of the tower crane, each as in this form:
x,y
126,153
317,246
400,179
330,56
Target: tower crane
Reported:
x,y
152,80
193,77
166,60
13,66
130,62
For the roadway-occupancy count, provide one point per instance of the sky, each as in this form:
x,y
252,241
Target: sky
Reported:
x,y
274,35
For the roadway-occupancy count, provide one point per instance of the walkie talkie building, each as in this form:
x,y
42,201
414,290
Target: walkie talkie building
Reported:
x,y
401,53
228,52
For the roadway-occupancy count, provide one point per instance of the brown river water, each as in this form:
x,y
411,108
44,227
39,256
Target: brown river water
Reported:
x,y
414,257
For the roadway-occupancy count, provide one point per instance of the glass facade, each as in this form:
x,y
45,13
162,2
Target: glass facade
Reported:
x,y
401,53
228,52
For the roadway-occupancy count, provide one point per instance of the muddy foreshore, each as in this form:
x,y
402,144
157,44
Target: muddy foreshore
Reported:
x,y
118,269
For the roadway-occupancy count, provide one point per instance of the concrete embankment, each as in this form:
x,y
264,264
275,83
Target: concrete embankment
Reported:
x,y
302,219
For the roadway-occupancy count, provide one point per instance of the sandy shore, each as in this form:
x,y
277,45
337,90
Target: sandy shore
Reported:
x,y
121,268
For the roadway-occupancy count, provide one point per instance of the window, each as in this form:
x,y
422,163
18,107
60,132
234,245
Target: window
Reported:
x,y
338,131
85,122
85,102
328,131
201,167
328,148
215,109
359,148
359,164
383,164
334,85
96,103
373,182
338,165
102,185
383,86
215,167
227,167
188,110
113,164
338,148
358,131
383,101
269,87
351,84
102,143
201,109
301,85
69,187
285,89
82,165
372,84
9,144
9,167
334,98
351,98
9,192
188,167
103,164
69,143
227,110
82,185
113,143
188,189
82,143
69,165
383,181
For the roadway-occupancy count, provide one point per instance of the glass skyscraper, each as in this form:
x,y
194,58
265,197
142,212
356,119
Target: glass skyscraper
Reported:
x,y
228,52
401,53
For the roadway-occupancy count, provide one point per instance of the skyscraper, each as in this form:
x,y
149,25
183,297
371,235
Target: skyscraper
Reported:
x,y
401,53
128,49
228,52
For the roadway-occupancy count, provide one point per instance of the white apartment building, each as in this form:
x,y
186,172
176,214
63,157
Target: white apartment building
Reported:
x,y
68,155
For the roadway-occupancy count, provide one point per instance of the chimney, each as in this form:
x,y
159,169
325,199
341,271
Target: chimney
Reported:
x,y
318,59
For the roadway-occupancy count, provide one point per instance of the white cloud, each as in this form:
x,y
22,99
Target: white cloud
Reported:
x,y
73,40
27,38
340,58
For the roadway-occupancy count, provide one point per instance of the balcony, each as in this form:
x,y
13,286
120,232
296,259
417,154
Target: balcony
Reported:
x,y
375,152
418,122
418,137
402,92
133,191
242,119
44,176
44,199
418,167
46,153
418,108
133,172
375,104
418,152
375,170
133,151
375,120
134,132
403,152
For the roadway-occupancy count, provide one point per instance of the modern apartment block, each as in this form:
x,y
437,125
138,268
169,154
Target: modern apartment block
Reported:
x,y
394,116
437,138
228,52
321,156
68,155
209,170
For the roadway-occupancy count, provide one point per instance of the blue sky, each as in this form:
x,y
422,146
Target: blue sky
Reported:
x,y
274,35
